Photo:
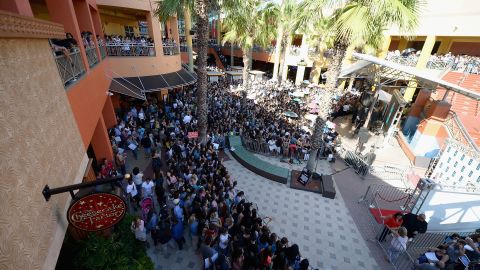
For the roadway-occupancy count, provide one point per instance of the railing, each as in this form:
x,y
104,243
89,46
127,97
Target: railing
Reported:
x,y
459,132
255,146
183,48
356,162
103,51
70,67
171,50
92,56
130,49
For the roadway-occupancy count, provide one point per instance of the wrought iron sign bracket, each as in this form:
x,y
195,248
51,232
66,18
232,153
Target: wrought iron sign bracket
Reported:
x,y
48,192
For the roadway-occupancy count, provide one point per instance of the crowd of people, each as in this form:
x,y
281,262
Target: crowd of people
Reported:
x,y
118,45
463,63
198,201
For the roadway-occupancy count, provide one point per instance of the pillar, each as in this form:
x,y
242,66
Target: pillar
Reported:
x,y
108,113
115,101
21,7
155,32
101,142
85,21
188,28
174,29
219,29
426,52
63,12
402,44
300,74
445,45
97,25
385,45
421,64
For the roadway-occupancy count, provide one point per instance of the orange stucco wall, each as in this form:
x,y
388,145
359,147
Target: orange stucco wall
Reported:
x,y
137,4
258,56
108,113
402,142
87,98
143,66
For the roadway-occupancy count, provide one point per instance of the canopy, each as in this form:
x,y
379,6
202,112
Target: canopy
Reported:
x,y
138,86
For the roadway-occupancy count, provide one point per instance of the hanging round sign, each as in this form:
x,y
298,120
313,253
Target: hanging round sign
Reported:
x,y
97,211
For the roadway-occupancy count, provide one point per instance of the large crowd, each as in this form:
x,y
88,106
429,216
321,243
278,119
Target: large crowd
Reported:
x,y
197,197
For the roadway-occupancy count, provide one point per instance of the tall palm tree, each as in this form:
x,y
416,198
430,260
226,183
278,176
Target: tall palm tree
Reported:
x,y
169,8
201,10
248,23
355,23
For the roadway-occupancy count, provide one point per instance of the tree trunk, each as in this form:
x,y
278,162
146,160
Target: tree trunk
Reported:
x,y
188,27
350,82
317,66
202,47
246,65
317,141
219,29
335,66
278,51
232,57
287,53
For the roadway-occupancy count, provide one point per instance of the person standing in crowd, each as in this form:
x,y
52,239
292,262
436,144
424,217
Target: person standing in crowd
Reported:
x,y
414,224
132,193
147,188
138,228
120,160
147,146
398,244
177,233
156,164
137,177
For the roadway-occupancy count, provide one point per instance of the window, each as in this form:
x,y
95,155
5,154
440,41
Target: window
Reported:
x,y
455,154
470,174
448,150
478,167
470,161
449,159
453,174
461,178
463,168
446,170
129,31
463,156
456,163
478,179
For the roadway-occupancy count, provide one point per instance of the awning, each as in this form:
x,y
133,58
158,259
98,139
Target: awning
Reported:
x,y
360,64
122,86
152,83
420,75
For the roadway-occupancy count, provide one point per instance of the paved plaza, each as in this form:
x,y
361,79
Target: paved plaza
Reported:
x,y
323,228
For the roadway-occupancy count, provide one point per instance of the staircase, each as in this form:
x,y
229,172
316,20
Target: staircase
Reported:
x,y
218,62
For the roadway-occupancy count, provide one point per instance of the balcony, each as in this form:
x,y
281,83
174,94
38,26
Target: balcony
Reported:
x,y
130,49
171,50
92,56
70,67
103,51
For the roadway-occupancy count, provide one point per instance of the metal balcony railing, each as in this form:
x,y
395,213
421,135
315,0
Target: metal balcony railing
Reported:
x,y
70,67
92,56
171,49
130,49
183,48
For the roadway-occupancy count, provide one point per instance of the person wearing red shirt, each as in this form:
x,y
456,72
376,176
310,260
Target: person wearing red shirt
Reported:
x,y
391,222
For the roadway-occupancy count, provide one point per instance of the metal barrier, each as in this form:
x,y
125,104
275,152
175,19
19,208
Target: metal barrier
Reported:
x,y
92,56
171,49
70,67
387,197
356,162
255,146
130,49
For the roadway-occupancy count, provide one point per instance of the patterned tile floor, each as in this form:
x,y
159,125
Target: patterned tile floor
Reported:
x,y
324,229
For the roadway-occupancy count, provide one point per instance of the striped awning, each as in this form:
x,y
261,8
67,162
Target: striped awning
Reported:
x,y
138,86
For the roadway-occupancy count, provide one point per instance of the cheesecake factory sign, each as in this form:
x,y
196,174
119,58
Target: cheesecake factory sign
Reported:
x,y
96,212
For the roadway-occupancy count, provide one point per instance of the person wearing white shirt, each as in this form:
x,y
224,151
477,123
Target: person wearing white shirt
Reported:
x,y
137,177
187,118
147,188
132,193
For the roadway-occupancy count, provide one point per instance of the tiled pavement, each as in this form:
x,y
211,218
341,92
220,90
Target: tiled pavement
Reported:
x,y
324,229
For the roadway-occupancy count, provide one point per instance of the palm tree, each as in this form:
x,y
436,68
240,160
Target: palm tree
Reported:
x,y
248,23
169,8
201,10
359,22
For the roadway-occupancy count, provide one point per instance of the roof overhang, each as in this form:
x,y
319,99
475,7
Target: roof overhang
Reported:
x,y
423,77
138,86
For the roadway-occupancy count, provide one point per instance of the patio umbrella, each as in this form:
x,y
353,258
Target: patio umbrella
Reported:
x,y
290,114
297,100
297,94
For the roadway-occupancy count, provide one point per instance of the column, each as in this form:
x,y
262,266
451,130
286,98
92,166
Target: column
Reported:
x,y
219,30
174,29
21,7
402,45
85,22
101,142
301,66
108,113
421,64
384,49
445,45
